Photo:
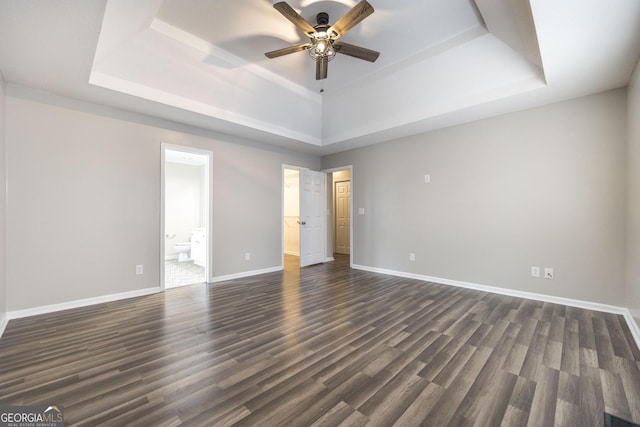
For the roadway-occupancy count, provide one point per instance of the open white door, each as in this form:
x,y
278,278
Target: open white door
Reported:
x,y
313,221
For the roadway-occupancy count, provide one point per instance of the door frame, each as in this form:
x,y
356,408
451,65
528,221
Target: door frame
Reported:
x,y
282,183
207,204
284,167
331,219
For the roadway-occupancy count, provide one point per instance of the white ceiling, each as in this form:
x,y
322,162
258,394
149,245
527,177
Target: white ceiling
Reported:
x,y
202,63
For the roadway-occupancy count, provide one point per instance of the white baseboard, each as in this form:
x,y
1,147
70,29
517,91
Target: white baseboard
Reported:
x,y
17,314
329,259
244,274
633,326
4,321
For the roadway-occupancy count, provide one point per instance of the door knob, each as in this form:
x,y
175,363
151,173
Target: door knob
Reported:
x,y
303,223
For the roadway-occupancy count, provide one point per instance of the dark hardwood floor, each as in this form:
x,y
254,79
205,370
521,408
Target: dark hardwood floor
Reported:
x,y
325,345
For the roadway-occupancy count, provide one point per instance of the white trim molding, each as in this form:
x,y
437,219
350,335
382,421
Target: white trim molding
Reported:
x,y
17,314
244,274
4,321
81,303
633,326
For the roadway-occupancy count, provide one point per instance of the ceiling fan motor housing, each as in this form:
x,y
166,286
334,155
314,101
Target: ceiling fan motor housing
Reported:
x,y
322,18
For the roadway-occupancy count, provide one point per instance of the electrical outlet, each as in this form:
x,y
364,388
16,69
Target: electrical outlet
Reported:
x,y
548,273
412,256
427,178
360,211
247,256
139,269
535,271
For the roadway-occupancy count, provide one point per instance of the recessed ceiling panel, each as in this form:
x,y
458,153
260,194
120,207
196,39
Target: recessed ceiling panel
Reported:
x,y
248,28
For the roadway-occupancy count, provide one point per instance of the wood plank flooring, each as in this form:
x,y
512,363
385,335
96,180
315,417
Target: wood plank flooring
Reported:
x,y
324,346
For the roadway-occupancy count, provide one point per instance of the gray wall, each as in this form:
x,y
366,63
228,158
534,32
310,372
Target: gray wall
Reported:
x,y
633,211
543,187
3,208
540,187
84,203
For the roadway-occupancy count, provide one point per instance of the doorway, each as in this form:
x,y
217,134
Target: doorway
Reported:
x,y
291,218
304,217
340,232
185,216
342,217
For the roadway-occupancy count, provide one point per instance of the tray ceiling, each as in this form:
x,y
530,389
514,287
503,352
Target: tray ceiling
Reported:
x,y
202,63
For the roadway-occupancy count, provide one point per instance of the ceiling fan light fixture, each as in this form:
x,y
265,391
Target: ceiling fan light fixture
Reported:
x,y
322,47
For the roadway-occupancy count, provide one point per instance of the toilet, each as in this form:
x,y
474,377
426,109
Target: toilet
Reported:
x,y
183,251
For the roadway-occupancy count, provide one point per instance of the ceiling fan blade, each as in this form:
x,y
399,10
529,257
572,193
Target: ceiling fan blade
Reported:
x,y
350,19
356,51
322,66
287,50
293,16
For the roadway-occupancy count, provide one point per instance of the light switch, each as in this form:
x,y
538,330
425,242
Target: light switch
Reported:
x,y
361,211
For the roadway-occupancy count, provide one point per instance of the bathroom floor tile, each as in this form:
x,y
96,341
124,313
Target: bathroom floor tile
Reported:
x,y
182,273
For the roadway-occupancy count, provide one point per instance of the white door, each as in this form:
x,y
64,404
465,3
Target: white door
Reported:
x,y
313,221
343,217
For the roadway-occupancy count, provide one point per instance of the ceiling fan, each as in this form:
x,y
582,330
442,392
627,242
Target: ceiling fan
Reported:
x,y
323,38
